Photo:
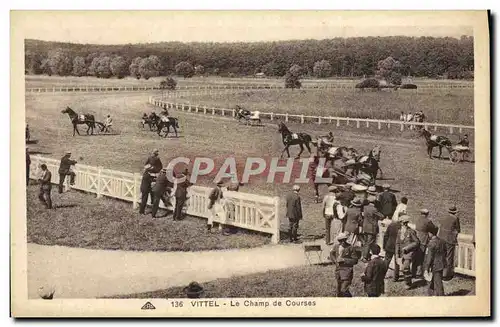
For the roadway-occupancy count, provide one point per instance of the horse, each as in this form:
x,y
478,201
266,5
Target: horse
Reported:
x,y
433,141
150,120
342,152
76,120
290,138
167,122
248,116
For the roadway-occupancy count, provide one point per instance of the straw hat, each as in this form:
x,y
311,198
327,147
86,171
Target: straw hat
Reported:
x,y
424,212
386,186
332,188
453,210
372,190
356,202
359,188
296,187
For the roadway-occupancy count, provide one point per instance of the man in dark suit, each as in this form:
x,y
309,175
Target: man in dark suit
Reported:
x,y
181,192
214,205
387,202
155,162
294,212
64,170
146,189
407,243
344,257
347,195
423,226
159,189
370,229
353,219
28,163
374,274
449,228
45,187
435,263
389,245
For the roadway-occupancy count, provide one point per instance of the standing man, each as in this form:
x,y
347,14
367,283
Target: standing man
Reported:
x,y
344,257
28,164
449,228
181,192
328,212
214,204
407,243
45,187
108,123
347,195
294,212
401,209
353,219
435,262
387,202
423,226
146,189
64,170
159,189
370,230
390,239
374,274
155,162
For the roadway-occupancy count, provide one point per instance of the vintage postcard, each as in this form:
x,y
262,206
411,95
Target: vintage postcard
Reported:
x,y
250,164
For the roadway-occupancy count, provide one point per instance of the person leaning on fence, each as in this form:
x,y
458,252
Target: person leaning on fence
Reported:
x,y
181,193
28,164
146,189
449,228
387,202
370,229
374,275
294,212
353,221
159,190
45,187
435,263
344,257
214,204
65,170
155,162
423,226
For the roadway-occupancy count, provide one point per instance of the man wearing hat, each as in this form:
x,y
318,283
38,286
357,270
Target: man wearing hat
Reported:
x,y
214,203
159,189
344,257
423,226
435,263
328,211
353,219
45,186
146,189
387,202
347,195
28,164
449,228
401,209
64,170
372,194
294,212
181,191
155,162
407,243
374,274
370,229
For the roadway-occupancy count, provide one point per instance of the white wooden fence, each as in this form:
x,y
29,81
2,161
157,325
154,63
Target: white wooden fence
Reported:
x,y
358,122
244,210
253,212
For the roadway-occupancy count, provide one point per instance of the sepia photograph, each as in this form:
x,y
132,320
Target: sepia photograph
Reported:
x,y
250,163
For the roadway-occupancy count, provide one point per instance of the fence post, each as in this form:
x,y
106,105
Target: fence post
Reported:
x,y
338,122
272,116
347,121
357,123
276,235
435,127
205,110
301,119
451,129
99,182
223,111
286,117
234,113
136,190
388,125
379,125
402,127
213,111
460,130
197,108
189,109
319,120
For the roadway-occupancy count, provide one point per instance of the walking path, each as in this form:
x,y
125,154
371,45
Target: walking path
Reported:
x,y
84,273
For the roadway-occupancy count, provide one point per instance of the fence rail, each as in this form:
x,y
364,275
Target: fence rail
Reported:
x,y
359,122
244,210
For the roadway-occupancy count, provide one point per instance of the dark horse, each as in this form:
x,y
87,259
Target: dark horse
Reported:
x,y
167,122
150,120
433,141
76,120
290,138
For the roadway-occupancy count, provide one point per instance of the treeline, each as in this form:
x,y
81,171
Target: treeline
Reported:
x,y
343,57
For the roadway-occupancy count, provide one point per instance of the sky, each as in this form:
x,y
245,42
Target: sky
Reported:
x,y
122,27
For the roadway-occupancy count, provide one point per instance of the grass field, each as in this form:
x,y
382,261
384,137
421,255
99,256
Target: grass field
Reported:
x,y
433,184
81,220
303,282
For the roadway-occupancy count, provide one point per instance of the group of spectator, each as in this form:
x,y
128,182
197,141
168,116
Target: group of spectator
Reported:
x,y
426,251
418,117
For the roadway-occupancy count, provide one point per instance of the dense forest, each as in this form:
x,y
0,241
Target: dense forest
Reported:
x,y
341,57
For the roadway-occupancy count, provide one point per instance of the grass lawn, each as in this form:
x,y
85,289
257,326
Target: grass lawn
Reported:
x,y
442,106
431,184
81,220
309,281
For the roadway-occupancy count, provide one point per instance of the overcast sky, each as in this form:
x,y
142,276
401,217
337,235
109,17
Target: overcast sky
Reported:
x,y
120,27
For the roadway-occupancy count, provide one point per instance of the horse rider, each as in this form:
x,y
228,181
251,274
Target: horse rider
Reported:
x,y
108,123
464,141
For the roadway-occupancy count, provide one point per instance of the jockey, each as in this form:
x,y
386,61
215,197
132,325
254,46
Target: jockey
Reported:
x,y
108,123
464,141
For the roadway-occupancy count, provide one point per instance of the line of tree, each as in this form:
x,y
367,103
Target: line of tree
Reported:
x,y
341,57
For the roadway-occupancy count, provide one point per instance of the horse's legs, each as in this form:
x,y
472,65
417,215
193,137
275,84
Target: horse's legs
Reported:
x,y
301,150
175,130
308,147
429,151
440,151
316,192
168,131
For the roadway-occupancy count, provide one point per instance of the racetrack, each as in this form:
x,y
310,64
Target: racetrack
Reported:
x,y
434,184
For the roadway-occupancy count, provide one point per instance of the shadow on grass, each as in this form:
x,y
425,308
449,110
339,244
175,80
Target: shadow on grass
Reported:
x,y
32,142
39,152
61,206
460,292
